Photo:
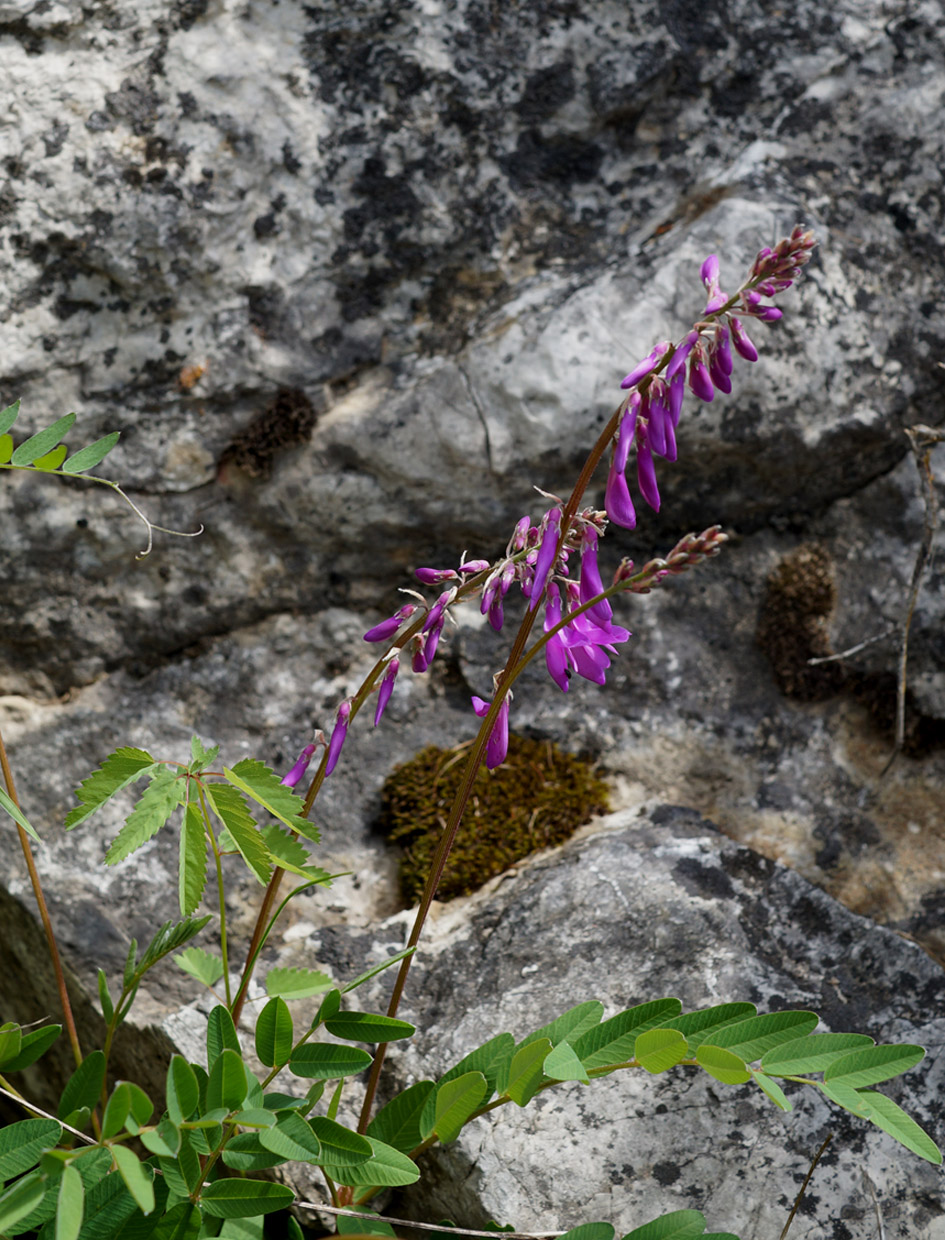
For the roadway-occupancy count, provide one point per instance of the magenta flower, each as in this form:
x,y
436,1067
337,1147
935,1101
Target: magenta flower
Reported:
x,y
590,582
556,654
292,777
649,363
386,689
387,628
546,556
646,474
474,566
498,744
678,360
740,340
617,502
433,576
700,381
338,735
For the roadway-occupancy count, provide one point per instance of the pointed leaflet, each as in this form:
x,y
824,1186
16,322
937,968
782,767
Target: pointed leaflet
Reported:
x,y
324,1061
226,1087
294,983
570,1025
244,1153
156,804
192,862
386,1168
288,851
22,1143
291,1137
118,770
613,1041
752,1038
368,1027
455,1103
772,1089
8,416
274,1033
398,1123
234,813
204,966
873,1064
32,1046
699,1026
40,443
340,1146
91,455
200,755
885,1114
723,1065
17,815
679,1225
814,1053
264,786
170,936
658,1050
244,1198
490,1059
70,1204
221,1034
377,968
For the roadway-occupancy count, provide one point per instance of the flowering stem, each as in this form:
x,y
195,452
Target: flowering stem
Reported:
x,y
67,1016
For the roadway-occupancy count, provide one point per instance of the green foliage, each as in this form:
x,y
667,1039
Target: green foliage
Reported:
x,y
204,966
7,803
264,786
165,791
192,860
537,798
296,983
30,450
274,1033
121,768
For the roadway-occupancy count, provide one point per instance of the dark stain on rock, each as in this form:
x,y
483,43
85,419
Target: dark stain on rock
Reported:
x,y
287,420
707,881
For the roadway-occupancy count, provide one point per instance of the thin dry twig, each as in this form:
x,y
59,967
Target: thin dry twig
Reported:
x,y
405,1222
800,1195
845,654
879,1214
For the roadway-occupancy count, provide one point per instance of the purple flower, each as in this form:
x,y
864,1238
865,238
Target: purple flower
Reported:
x,y
700,381
590,583
519,539
649,363
709,272
660,432
677,361
386,689
646,474
617,502
546,556
498,745
292,777
718,376
387,628
435,615
474,566
740,340
338,735
625,432
433,576
677,390
556,655
721,351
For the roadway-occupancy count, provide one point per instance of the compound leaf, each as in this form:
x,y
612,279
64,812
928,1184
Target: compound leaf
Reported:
x,y
91,455
263,785
398,1123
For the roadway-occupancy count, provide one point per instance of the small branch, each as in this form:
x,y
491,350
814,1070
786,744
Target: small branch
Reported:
x,y
845,654
35,1110
800,1195
879,1214
404,1222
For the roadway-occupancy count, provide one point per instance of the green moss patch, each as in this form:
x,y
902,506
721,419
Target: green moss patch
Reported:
x,y
537,798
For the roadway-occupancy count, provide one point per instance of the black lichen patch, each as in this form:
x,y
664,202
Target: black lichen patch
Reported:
x,y
536,799
287,420
792,627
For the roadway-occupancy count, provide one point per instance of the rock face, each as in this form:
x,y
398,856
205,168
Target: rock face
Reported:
x,y
352,280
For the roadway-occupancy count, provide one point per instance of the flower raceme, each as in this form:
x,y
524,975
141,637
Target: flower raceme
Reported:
x,y
578,631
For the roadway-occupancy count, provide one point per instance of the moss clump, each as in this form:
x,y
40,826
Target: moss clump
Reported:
x,y
537,798
792,627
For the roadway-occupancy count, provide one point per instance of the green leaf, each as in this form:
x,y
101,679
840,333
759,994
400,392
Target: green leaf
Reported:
x,y
814,1053
564,1065
201,756
293,1138
204,966
91,455
274,1034
724,1065
84,1087
377,968
772,1089
244,1153
42,441
329,1006
70,1206
104,998
699,1026
170,936
886,1114
613,1041
17,815
753,1038
264,786
20,1200
658,1050
346,1226
490,1059
293,983
137,1177
387,1168
255,1117
116,1110
678,1225
456,1101
11,1041
22,1144
340,1146
164,1140
590,1231
288,851
323,1061
398,1123
152,810
182,1222
6,448
244,1198
226,1087
525,1072
367,1027
221,1034
51,460
873,1064
108,1206
119,769
234,813
8,416
570,1025
192,860
183,1090
33,1045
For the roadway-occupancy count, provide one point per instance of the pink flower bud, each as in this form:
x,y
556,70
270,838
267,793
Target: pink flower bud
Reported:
x,y
649,363
498,744
338,735
617,502
292,777
433,576
743,345
387,628
546,556
386,689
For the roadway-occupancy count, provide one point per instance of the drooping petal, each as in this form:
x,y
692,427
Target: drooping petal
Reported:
x,y
658,415
742,343
646,474
721,350
625,432
292,777
338,735
386,689
546,556
677,392
433,576
591,584
700,381
498,747
556,657
718,376
617,502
